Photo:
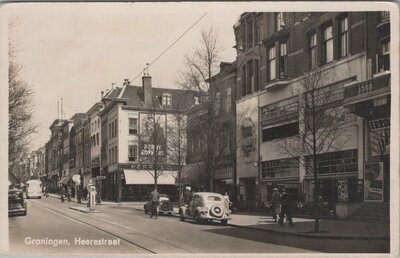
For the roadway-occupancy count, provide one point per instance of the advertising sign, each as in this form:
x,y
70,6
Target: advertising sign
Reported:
x,y
373,181
343,190
247,137
152,137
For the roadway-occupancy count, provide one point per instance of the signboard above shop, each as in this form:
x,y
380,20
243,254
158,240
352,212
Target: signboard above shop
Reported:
x,y
379,124
164,167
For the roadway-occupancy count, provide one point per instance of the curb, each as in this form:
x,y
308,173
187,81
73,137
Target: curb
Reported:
x,y
299,234
82,210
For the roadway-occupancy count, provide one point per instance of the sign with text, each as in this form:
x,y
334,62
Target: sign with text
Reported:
x,y
379,124
373,181
161,167
152,136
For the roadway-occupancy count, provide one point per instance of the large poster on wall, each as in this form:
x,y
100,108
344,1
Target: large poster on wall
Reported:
x,y
373,181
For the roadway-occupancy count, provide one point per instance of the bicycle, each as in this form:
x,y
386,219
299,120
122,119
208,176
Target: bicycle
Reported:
x,y
154,210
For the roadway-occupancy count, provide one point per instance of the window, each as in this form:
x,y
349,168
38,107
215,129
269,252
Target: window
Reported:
x,y
132,152
250,77
109,130
256,75
217,102
97,138
334,162
228,100
327,45
283,60
313,50
243,80
383,58
343,37
166,100
133,123
279,22
249,34
280,168
271,63
280,132
115,128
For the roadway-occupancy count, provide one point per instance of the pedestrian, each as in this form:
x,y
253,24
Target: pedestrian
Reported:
x,y
286,209
275,204
69,192
227,202
44,191
62,194
79,194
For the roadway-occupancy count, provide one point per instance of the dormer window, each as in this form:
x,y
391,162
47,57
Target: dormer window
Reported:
x,y
166,100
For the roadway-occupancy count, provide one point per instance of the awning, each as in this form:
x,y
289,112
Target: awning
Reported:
x,y
64,180
143,177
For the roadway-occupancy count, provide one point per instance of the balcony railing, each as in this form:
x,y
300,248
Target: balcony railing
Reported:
x,y
368,87
284,110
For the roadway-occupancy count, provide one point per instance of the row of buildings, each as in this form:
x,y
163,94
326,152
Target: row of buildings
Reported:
x,y
260,111
239,141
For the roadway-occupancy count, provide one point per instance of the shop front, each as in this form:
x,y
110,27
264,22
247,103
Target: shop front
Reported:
x,y
137,184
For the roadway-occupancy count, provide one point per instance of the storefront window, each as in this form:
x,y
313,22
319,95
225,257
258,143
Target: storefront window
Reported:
x,y
279,168
335,162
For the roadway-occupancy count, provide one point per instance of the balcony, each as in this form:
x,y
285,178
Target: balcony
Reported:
x,y
383,26
369,89
279,112
370,98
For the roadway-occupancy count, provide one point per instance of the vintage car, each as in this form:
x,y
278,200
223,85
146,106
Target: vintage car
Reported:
x,y
164,207
16,203
206,207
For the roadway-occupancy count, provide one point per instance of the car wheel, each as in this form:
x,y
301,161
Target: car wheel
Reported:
x,y
224,222
24,214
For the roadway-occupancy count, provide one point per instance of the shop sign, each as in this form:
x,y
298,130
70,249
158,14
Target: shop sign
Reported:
x,y
373,181
100,177
379,124
161,167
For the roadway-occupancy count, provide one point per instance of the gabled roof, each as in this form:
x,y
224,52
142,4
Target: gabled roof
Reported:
x,y
181,99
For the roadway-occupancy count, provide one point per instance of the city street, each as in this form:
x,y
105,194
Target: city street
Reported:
x,y
49,218
134,232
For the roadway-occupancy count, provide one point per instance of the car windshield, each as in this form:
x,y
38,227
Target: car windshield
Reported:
x,y
213,198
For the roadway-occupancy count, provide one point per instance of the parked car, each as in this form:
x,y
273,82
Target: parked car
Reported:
x,y
16,203
206,207
164,207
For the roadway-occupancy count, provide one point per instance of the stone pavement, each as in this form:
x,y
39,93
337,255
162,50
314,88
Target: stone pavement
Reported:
x,y
304,227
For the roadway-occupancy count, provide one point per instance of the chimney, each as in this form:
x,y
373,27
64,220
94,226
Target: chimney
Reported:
x,y
102,94
147,91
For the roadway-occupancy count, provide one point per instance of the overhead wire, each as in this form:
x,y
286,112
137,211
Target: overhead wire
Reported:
x,y
171,45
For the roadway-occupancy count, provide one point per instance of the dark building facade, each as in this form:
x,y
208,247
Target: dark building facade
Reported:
x,y
350,51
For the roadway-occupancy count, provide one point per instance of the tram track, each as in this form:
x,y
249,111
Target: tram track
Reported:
x,y
122,227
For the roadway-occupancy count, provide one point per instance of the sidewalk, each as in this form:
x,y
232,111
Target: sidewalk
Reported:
x,y
304,227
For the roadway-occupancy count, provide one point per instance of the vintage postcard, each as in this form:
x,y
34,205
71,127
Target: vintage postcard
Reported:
x,y
200,129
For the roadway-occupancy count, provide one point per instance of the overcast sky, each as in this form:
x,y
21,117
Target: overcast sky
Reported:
x,y
75,51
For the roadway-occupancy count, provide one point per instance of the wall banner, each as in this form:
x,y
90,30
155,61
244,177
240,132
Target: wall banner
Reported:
x,y
373,181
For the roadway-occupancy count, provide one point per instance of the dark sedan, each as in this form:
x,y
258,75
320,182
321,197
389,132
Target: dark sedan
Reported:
x,y
16,203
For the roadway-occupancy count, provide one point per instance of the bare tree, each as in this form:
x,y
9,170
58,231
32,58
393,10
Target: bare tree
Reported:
x,y
20,107
153,143
177,148
321,126
201,65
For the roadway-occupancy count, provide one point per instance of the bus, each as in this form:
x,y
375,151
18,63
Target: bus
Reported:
x,y
33,189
